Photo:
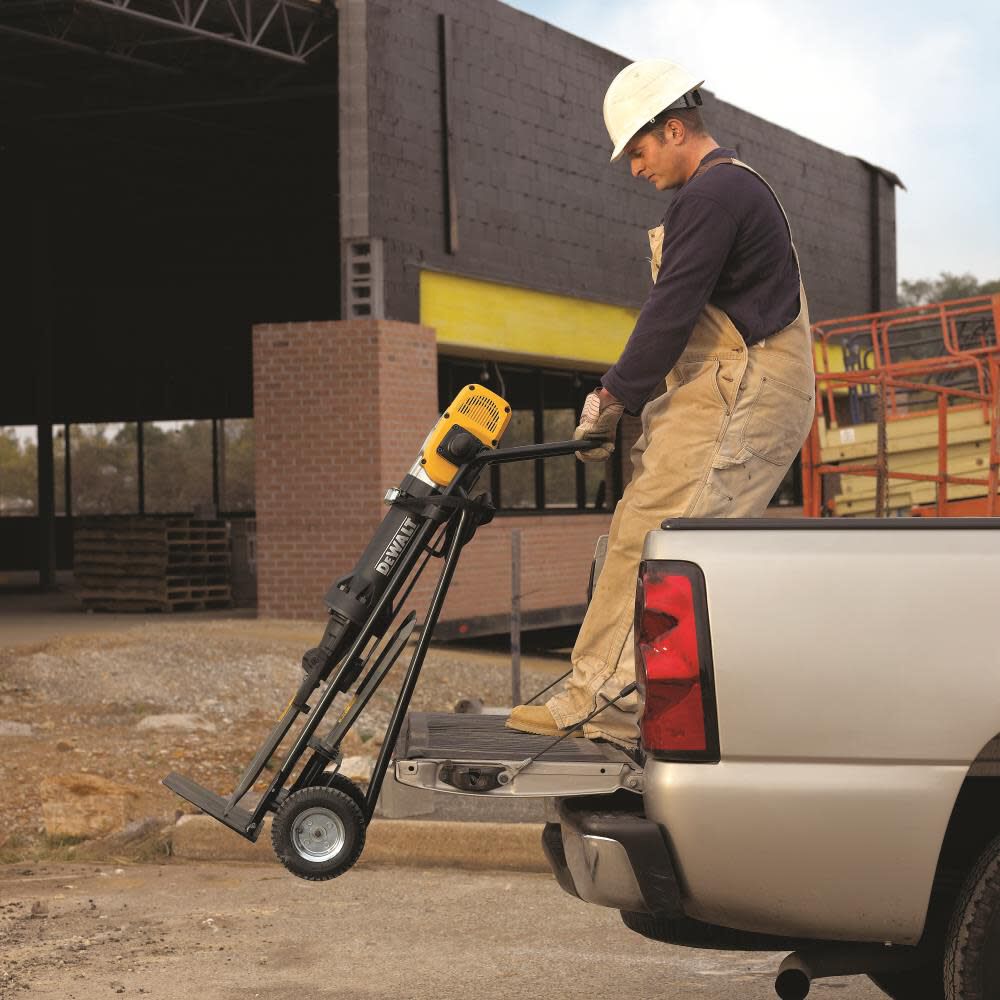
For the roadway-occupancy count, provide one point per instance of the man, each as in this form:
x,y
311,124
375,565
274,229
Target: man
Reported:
x,y
719,365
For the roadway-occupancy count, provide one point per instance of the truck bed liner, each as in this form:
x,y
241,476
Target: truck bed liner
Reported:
x,y
486,738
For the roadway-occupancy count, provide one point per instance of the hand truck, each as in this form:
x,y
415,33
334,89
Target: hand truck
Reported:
x,y
319,815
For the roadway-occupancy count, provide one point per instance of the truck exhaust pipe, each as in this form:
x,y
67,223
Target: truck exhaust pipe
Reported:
x,y
800,968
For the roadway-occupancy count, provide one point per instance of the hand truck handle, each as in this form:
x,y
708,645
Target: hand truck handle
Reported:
x,y
551,449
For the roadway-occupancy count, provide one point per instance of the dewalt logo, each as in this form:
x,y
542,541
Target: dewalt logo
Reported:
x,y
396,547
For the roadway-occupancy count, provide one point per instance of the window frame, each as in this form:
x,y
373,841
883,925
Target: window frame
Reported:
x,y
531,385
65,460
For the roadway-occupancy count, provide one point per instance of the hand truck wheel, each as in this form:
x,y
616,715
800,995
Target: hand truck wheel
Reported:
x,y
344,784
318,833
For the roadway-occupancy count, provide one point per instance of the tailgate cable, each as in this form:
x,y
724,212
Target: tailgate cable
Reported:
x,y
508,775
551,686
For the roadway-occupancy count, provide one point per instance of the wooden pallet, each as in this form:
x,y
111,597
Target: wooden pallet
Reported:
x,y
152,564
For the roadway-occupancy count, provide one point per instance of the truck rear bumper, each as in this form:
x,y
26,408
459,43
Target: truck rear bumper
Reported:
x,y
612,857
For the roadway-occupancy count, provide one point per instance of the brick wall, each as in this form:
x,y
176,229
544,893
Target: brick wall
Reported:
x,y
538,203
341,411
555,565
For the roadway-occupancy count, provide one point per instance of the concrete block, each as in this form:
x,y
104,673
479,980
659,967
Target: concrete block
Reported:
x,y
530,97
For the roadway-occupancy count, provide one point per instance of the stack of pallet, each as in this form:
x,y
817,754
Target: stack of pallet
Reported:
x,y
152,564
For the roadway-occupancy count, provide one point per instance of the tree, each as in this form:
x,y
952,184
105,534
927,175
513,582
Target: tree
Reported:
x,y
944,287
178,472
104,460
18,474
237,465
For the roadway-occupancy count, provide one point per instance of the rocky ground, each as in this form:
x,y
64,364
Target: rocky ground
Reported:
x,y
238,932
193,696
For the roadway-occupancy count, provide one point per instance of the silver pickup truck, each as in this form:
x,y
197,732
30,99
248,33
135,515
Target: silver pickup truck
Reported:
x,y
820,759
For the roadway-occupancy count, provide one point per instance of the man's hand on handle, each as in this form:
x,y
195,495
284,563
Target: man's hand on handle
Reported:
x,y
599,419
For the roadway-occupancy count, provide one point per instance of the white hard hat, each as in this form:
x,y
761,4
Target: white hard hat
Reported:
x,y
640,92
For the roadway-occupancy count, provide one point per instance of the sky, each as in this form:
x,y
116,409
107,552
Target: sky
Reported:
x,y
913,87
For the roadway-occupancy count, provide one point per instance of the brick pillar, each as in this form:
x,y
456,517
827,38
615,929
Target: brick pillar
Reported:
x,y
340,411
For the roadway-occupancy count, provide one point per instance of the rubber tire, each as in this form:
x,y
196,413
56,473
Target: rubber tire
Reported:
x,y
347,811
972,947
344,784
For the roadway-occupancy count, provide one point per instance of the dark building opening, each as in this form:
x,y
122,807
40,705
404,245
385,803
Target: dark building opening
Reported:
x,y
167,181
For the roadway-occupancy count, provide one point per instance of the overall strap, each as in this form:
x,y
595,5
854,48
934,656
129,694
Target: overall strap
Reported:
x,y
788,225
705,167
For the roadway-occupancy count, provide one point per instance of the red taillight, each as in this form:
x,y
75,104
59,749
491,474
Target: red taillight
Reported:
x,y
672,662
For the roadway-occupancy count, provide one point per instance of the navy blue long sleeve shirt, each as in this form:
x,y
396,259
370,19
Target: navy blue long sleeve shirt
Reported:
x,y
725,242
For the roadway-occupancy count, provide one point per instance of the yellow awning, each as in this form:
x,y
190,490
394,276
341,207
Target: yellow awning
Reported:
x,y
488,319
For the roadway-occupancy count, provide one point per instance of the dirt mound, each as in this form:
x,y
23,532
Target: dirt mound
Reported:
x,y
85,696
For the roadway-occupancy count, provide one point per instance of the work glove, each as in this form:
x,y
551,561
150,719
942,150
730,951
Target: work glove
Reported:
x,y
596,422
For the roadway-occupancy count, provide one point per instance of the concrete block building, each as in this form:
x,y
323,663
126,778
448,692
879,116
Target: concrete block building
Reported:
x,y
330,229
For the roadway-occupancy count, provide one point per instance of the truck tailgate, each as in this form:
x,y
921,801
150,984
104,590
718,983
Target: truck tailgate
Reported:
x,y
478,755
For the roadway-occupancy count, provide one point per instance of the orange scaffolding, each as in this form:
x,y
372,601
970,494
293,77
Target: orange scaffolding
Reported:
x,y
907,413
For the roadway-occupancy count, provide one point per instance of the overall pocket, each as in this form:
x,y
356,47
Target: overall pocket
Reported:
x,y
778,421
700,379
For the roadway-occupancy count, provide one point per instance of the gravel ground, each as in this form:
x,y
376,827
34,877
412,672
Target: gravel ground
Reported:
x,y
239,932
84,696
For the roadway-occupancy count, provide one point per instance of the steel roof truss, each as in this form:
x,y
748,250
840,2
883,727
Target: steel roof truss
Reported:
x,y
250,25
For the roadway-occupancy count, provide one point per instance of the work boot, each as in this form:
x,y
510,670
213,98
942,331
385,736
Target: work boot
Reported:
x,y
536,719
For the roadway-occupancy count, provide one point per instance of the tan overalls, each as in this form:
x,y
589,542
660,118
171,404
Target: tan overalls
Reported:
x,y
716,443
